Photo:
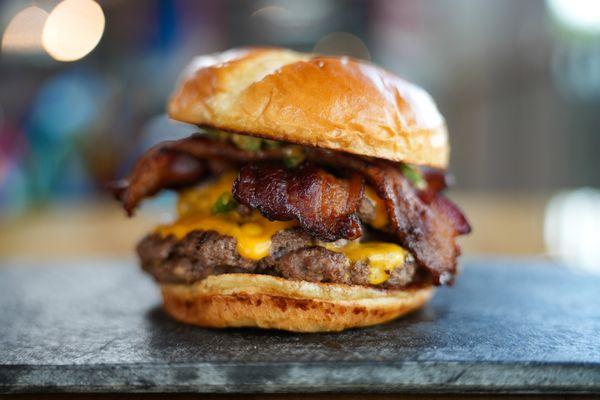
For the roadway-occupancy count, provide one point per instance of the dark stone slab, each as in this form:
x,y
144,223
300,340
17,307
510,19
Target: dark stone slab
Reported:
x,y
507,326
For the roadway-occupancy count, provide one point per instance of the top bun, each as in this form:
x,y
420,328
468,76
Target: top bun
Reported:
x,y
331,102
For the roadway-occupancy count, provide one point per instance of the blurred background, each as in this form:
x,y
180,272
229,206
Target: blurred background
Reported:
x,y
83,86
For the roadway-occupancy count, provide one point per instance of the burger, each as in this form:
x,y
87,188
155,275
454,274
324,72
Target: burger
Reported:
x,y
309,200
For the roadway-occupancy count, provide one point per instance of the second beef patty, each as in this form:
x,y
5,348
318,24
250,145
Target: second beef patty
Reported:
x,y
294,255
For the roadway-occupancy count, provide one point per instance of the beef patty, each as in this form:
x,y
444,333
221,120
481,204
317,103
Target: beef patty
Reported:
x,y
294,255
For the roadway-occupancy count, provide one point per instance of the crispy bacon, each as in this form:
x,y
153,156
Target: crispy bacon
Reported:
x,y
437,179
437,182
178,163
428,231
446,207
158,169
323,205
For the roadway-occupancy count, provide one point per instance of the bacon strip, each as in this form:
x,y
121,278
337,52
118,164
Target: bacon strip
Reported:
x,y
446,207
179,163
437,182
158,169
323,205
428,231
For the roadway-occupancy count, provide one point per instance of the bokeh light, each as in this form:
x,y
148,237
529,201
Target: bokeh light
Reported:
x,y
343,44
578,15
292,14
23,33
271,12
66,105
572,228
73,29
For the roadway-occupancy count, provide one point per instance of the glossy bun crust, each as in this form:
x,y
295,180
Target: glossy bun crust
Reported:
x,y
331,102
263,301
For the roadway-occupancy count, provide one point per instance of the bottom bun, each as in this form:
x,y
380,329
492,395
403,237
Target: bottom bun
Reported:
x,y
263,301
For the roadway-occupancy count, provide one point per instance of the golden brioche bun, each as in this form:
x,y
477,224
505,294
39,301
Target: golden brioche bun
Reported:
x,y
331,102
263,301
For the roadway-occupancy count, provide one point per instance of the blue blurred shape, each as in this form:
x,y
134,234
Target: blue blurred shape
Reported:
x,y
66,105
65,109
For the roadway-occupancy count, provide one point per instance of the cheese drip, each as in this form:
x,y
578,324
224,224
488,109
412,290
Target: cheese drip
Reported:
x,y
252,233
382,257
381,217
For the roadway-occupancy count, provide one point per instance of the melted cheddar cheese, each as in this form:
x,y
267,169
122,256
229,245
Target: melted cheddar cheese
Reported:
x,y
200,200
381,218
252,232
382,258
253,235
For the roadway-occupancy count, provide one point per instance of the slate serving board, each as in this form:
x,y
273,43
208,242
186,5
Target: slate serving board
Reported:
x,y
506,326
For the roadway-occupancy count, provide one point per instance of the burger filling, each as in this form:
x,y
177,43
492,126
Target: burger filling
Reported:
x,y
248,205
214,234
